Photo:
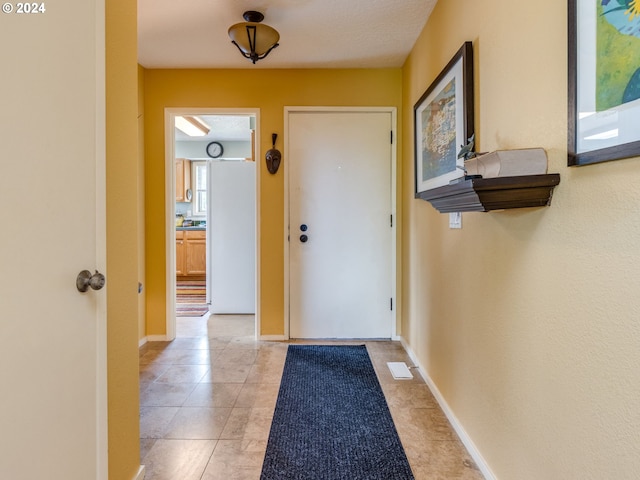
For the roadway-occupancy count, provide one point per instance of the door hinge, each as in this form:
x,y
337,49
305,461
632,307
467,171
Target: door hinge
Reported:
x,y
391,219
391,303
391,137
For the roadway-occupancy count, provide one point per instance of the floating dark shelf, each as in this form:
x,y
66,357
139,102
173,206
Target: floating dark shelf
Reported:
x,y
484,194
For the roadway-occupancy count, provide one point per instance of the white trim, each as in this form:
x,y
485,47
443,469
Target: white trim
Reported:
x,y
102,423
140,474
394,200
273,338
158,338
142,341
394,226
257,157
170,208
170,227
457,426
284,167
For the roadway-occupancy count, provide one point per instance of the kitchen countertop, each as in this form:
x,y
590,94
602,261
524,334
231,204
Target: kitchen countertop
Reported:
x,y
197,227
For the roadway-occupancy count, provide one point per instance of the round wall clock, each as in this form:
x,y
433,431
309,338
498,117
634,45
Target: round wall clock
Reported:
x,y
214,150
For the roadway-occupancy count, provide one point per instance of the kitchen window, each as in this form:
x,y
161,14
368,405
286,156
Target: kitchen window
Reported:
x,y
199,170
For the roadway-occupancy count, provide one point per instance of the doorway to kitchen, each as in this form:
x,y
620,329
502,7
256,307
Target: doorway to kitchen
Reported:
x,y
211,190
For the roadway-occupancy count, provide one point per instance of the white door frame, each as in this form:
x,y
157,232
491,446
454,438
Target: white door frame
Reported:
x,y
394,154
102,407
170,208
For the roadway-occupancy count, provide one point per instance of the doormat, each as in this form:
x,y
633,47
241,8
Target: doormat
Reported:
x,y
332,421
191,298
191,291
191,309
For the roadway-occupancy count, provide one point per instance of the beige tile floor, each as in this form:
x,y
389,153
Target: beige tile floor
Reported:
x,y
208,397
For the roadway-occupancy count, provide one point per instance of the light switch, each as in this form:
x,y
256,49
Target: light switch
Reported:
x,y
455,220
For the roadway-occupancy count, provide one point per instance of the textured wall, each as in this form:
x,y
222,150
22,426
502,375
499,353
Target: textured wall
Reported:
x,y
527,320
271,91
122,238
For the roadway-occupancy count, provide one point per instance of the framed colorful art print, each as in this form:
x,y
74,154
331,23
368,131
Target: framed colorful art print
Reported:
x,y
443,123
604,80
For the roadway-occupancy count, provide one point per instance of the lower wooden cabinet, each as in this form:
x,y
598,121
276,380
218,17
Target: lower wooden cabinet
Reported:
x,y
196,252
191,253
180,264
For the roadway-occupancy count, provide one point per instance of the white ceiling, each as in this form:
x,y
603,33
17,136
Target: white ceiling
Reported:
x,y
313,33
235,128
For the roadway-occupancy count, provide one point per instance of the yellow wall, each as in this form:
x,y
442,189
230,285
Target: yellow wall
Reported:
x,y
271,91
122,239
142,265
527,320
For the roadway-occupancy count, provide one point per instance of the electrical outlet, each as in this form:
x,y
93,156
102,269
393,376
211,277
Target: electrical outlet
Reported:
x,y
455,220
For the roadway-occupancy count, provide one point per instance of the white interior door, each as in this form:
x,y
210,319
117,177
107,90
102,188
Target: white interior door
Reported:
x,y
52,337
340,248
232,230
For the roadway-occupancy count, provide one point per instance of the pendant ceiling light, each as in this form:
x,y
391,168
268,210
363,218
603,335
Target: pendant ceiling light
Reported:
x,y
254,39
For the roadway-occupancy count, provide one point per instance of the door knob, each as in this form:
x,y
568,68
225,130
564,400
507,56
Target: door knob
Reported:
x,y
304,238
85,280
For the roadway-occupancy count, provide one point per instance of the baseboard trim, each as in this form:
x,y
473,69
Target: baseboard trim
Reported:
x,y
273,338
457,426
142,341
156,338
140,474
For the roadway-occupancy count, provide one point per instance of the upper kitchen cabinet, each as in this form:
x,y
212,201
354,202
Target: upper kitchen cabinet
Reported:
x,y
183,180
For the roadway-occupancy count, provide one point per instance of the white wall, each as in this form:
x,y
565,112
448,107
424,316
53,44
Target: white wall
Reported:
x,y
196,150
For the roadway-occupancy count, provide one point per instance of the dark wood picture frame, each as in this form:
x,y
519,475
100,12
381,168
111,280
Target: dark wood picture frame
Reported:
x,y
576,54
460,68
